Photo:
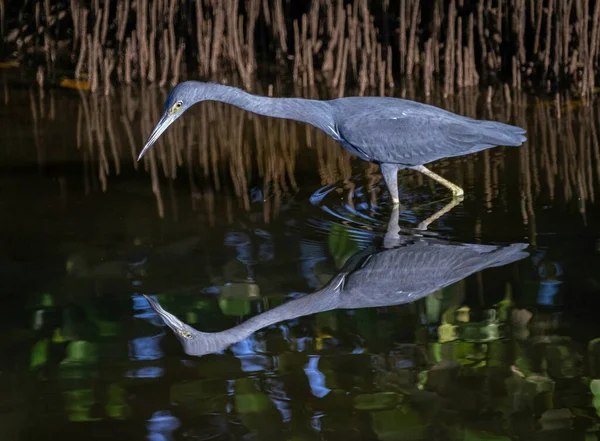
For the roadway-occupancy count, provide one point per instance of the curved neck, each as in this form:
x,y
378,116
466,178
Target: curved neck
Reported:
x,y
314,112
320,301
209,342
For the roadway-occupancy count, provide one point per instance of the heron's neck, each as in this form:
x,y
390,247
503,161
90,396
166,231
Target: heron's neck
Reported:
x,y
324,300
314,112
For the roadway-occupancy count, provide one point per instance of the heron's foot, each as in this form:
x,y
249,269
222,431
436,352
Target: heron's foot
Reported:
x,y
458,192
422,226
448,207
455,189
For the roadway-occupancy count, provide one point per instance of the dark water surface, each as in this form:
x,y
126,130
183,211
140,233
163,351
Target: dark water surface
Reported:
x,y
233,215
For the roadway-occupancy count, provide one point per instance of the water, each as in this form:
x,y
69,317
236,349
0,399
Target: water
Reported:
x,y
233,215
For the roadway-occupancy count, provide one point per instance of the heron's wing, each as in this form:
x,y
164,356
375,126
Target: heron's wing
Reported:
x,y
407,273
355,261
417,134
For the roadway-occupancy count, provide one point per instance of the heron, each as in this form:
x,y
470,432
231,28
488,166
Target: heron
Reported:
x,y
404,269
392,132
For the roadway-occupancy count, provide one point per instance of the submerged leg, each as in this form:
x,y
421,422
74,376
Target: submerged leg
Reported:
x,y
435,216
348,184
456,190
393,228
390,175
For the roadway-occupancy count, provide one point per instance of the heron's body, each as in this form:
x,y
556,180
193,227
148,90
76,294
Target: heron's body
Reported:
x,y
392,132
411,269
408,133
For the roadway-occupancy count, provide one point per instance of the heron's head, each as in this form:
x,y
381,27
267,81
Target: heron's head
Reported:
x,y
193,341
182,331
179,100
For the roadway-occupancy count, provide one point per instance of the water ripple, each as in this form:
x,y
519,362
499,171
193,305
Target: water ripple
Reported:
x,y
363,216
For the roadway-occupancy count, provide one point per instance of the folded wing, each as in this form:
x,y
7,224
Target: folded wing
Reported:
x,y
415,135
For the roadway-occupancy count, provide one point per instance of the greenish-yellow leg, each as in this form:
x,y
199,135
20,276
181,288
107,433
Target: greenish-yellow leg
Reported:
x,y
449,206
455,189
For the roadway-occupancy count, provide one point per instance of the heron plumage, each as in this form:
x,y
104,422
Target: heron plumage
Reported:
x,y
397,131
407,271
393,132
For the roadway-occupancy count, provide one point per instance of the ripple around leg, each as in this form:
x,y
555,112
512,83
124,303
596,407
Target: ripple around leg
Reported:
x,y
365,214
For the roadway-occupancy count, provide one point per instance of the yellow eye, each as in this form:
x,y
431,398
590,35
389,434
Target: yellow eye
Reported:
x,y
178,105
185,334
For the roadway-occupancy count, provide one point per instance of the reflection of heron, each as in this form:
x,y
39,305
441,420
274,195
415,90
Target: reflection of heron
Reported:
x,y
406,269
392,132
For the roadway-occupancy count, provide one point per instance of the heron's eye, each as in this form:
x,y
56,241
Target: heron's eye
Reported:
x,y
185,334
178,105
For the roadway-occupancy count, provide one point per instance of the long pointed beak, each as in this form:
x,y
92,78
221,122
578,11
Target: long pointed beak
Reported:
x,y
166,120
172,322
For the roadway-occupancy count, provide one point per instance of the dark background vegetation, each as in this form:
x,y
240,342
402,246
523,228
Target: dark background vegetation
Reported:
x,y
537,45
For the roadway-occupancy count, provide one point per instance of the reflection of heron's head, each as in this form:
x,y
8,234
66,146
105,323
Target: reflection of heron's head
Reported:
x,y
195,342
181,330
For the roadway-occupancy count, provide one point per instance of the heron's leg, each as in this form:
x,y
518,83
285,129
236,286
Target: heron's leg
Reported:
x,y
435,216
393,228
350,196
456,190
390,175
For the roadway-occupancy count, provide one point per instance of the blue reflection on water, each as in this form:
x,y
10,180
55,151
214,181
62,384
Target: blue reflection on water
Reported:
x,y
255,363
145,372
246,351
302,342
279,398
404,364
145,311
242,244
146,348
140,303
161,426
550,283
213,290
316,422
320,194
548,291
316,378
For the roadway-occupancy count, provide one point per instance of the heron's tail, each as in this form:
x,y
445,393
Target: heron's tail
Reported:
x,y
497,133
490,256
508,254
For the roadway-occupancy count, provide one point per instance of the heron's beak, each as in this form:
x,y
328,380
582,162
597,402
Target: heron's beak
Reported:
x,y
171,321
166,120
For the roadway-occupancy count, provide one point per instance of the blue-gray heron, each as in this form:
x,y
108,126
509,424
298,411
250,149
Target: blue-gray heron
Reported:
x,y
392,132
406,268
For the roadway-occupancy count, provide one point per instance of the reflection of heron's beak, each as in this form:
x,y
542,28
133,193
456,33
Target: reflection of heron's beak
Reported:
x,y
166,120
172,322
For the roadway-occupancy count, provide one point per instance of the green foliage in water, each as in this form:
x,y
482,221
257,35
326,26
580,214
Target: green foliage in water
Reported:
x,y
233,306
39,354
